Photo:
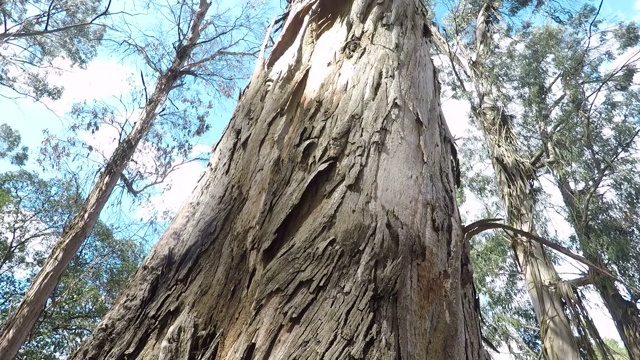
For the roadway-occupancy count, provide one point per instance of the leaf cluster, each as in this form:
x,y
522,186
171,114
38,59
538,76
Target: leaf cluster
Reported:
x,y
33,213
35,33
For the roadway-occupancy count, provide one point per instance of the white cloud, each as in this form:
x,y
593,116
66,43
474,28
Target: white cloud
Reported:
x,y
178,186
101,79
456,112
104,141
200,149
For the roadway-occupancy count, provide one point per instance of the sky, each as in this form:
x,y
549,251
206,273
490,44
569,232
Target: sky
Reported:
x,y
107,77
623,9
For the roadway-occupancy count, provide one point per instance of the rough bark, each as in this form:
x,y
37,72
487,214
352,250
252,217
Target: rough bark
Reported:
x,y
624,313
325,226
21,322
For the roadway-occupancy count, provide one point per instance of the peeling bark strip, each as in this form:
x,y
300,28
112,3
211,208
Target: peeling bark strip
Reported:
x,y
325,226
624,313
514,176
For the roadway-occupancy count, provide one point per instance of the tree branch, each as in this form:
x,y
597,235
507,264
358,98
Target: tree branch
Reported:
x,y
18,35
479,226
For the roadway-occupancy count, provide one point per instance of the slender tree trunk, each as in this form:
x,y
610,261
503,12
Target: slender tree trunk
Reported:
x,y
325,226
624,313
514,176
21,322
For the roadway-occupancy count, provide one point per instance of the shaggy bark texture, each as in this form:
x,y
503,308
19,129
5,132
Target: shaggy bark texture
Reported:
x,y
325,226
514,176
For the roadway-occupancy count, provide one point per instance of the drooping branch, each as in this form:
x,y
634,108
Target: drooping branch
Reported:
x,y
480,226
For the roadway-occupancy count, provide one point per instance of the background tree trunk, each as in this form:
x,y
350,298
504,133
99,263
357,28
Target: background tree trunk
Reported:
x,y
22,321
624,313
326,225
514,178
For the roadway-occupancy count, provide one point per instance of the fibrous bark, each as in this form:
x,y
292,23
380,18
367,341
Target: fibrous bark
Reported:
x,y
624,313
514,176
325,226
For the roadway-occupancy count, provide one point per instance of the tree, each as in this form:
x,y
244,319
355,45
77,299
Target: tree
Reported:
x,y
10,146
584,118
189,57
34,214
218,63
35,32
619,353
326,225
469,47
571,118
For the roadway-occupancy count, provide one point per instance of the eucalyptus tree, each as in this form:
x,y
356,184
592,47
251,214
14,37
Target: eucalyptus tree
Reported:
x,y
509,322
202,44
325,226
208,82
576,82
35,33
469,40
563,113
10,148
33,213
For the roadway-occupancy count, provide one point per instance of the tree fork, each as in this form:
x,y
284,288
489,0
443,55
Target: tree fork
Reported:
x,y
325,226
513,175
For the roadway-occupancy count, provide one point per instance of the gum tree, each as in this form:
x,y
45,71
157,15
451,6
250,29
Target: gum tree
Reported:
x,y
194,48
325,226
566,100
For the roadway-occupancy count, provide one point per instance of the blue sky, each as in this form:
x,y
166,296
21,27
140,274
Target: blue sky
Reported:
x,y
625,9
106,78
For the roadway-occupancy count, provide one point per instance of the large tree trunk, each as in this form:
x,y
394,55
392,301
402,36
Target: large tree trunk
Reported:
x,y
325,226
22,321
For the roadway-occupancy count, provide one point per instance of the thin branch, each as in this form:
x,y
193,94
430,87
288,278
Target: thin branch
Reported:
x,y
146,96
603,173
479,226
580,282
53,31
144,54
46,25
188,68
